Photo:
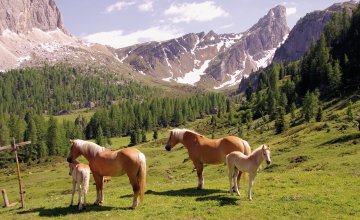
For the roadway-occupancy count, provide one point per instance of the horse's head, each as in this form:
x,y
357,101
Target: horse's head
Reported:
x,y
172,141
74,152
266,153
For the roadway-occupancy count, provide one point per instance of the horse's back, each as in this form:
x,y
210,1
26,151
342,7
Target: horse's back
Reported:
x,y
116,163
232,143
235,157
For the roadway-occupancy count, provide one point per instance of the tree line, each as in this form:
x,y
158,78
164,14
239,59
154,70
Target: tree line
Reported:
x,y
128,118
51,89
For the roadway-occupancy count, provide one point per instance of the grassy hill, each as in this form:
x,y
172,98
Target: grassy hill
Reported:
x,y
314,175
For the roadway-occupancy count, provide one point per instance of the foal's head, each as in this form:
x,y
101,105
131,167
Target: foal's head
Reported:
x,y
174,138
74,152
266,154
72,166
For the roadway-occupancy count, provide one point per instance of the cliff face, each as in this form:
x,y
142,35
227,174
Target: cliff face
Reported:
x,y
308,27
32,32
226,58
21,16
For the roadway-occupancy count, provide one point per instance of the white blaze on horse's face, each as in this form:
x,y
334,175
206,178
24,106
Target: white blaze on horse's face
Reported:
x,y
266,152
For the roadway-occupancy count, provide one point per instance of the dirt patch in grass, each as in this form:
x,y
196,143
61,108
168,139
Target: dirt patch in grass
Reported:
x,y
299,159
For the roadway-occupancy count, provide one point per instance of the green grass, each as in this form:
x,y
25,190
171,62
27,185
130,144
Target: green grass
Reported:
x,y
315,174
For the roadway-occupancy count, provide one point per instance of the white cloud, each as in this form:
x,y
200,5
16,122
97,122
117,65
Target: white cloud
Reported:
x,y
118,38
187,12
119,6
290,11
146,6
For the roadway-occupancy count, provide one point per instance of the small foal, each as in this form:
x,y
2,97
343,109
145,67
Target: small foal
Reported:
x,y
81,177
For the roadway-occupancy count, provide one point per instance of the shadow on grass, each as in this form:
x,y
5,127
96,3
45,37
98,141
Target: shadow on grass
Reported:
x,y
201,195
223,200
61,211
342,139
190,192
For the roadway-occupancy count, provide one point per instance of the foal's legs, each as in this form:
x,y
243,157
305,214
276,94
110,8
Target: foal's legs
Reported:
x,y
199,170
251,183
73,192
230,175
235,178
79,192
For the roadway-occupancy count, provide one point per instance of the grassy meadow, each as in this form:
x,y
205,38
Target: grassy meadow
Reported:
x,y
315,174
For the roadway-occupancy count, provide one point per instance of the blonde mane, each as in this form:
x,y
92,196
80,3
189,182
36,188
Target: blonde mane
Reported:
x,y
179,133
89,147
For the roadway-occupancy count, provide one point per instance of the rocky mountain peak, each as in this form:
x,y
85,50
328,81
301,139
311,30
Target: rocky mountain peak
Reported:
x,y
307,28
21,16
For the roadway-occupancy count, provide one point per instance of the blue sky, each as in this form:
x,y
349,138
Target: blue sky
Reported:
x,y
121,23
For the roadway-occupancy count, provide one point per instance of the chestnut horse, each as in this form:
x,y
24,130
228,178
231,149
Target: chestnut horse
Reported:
x,y
203,150
104,162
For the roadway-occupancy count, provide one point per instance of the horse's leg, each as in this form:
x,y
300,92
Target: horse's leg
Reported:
x,y
99,185
238,182
199,170
79,192
84,203
136,189
251,183
230,175
72,193
236,177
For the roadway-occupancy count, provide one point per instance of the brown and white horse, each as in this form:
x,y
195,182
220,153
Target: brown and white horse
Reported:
x,y
203,150
237,161
81,176
104,162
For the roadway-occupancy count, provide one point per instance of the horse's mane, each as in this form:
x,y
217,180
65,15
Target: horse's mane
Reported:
x,y
89,147
179,132
257,149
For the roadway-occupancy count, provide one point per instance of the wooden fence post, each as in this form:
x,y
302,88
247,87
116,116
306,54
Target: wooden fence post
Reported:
x,y
6,201
18,172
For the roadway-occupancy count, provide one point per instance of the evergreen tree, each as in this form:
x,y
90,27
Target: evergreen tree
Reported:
x,y
100,139
155,135
280,123
310,104
334,77
31,135
319,114
143,136
349,111
4,131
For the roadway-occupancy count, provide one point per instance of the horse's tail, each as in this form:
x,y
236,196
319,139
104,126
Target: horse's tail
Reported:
x,y
141,176
247,148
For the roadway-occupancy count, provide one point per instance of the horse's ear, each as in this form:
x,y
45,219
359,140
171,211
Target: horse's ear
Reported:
x,y
71,141
263,146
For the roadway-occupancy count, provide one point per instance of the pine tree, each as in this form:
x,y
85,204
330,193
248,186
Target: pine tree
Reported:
x,y
280,123
143,136
310,104
100,139
155,135
231,120
319,114
4,131
334,77
31,135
